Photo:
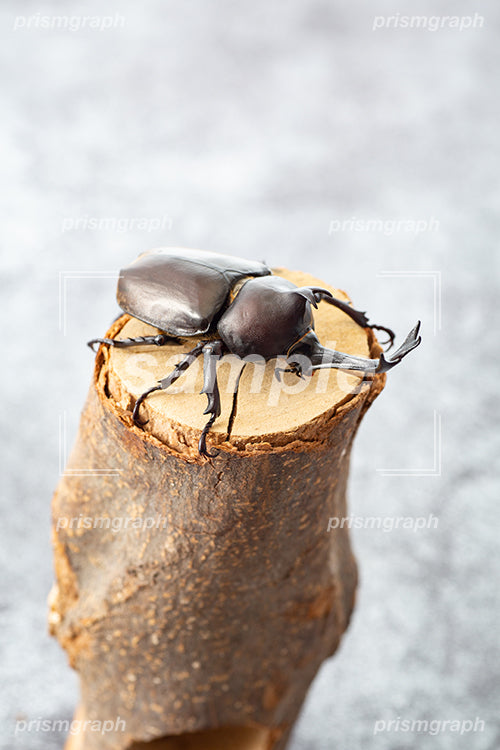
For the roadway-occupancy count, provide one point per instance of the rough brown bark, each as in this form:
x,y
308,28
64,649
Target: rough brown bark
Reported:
x,y
220,616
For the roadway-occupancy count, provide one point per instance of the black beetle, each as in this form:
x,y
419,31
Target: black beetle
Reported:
x,y
237,306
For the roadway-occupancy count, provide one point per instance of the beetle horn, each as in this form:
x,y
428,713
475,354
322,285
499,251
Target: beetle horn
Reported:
x,y
312,294
319,357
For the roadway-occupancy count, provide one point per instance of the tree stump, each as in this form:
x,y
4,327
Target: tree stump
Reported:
x,y
201,620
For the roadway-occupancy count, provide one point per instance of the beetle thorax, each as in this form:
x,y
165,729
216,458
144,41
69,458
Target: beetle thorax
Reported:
x,y
266,318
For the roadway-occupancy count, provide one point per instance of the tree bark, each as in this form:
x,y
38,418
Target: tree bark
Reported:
x,y
212,607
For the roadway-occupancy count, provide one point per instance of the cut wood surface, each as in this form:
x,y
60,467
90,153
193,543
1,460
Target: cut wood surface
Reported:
x,y
215,619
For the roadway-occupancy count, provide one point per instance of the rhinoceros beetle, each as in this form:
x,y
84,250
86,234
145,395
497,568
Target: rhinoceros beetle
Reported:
x,y
233,306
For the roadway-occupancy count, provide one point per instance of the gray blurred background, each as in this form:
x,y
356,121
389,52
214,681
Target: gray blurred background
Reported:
x,y
261,129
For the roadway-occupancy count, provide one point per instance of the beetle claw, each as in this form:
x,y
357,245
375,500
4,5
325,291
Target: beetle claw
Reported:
x,y
202,447
91,343
135,415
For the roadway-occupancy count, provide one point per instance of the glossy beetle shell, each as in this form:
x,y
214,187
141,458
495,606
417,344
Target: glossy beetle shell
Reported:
x,y
182,291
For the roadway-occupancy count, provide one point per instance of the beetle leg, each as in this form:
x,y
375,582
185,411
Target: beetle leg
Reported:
x,y
356,315
135,413
159,340
234,407
211,353
389,332
166,382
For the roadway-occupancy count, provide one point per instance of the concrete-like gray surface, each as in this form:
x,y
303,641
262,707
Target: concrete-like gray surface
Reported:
x,y
249,128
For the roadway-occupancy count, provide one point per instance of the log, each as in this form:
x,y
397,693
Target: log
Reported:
x,y
206,628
